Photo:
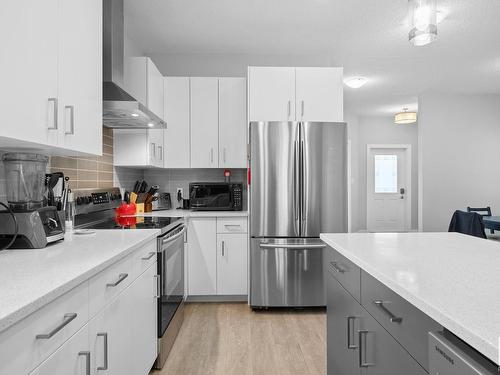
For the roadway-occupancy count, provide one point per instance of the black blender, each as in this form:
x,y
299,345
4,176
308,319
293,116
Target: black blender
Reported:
x,y
26,223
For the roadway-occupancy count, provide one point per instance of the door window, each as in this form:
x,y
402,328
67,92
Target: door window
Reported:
x,y
386,173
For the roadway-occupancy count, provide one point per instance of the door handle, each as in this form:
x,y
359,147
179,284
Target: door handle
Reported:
x,y
121,277
105,344
71,119
153,150
158,287
302,109
160,152
86,354
223,248
289,109
212,155
303,182
362,349
296,180
392,318
54,121
150,255
284,246
350,329
336,268
67,319
224,154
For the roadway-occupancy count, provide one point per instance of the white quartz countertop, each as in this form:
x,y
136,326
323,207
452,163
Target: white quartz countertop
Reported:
x,y
188,213
29,279
451,277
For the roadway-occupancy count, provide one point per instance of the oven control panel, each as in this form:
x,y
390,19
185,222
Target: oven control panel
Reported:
x,y
90,200
100,198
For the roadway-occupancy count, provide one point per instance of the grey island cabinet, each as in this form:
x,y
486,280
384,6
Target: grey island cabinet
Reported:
x,y
374,284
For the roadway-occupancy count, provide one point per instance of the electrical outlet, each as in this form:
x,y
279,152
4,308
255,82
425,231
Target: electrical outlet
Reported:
x,y
180,191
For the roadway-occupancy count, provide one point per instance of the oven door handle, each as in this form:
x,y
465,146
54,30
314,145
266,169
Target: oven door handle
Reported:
x,y
174,237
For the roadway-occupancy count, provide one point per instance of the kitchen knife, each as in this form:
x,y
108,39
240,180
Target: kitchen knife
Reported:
x,y
137,186
143,187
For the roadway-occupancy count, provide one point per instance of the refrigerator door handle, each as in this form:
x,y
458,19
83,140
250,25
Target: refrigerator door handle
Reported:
x,y
296,181
302,183
291,246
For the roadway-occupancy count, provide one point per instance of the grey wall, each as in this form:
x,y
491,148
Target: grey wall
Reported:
x,y
382,130
227,65
460,140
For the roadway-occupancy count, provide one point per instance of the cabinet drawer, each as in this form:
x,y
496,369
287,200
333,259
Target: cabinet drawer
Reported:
x,y
26,344
345,271
143,258
105,286
402,320
232,225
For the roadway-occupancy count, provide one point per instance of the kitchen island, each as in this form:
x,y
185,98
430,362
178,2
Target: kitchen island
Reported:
x,y
449,280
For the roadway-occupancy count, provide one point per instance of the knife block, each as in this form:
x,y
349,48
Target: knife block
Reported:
x,y
148,207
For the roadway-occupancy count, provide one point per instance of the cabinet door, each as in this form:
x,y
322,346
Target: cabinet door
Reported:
x,y
144,322
176,141
232,123
319,94
232,264
204,122
28,71
80,75
73,357
381,354
271,94
131,148
110,333
154,89
156,149
343,314
202,268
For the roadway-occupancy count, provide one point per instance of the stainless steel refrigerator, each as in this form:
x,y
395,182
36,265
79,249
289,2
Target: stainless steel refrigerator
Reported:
x,y
298,189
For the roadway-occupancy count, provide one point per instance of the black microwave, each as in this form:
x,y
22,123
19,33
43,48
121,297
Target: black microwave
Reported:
x,y
215,196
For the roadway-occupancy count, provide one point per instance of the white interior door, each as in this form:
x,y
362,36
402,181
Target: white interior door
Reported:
x,y
388,183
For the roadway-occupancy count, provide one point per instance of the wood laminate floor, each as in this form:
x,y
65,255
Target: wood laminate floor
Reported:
x,y
231,339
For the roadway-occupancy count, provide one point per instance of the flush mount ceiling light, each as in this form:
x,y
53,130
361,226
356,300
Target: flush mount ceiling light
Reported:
x,y
423,22
355,82
405,117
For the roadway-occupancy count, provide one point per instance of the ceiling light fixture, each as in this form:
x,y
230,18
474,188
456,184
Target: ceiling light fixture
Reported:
x,y
423,22
355,82
405,117
150,124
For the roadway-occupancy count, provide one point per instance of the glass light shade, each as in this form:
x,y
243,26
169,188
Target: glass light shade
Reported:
x,y
355,82
405,117
423,22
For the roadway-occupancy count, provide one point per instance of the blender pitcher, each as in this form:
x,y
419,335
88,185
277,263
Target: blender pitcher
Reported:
x,y
25,180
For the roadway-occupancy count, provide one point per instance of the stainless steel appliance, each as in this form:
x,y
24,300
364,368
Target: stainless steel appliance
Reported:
x,y
297,190
215,196
448,355
95,210
27,223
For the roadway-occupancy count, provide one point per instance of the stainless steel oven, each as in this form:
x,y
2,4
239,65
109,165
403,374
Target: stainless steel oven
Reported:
x,y
171,289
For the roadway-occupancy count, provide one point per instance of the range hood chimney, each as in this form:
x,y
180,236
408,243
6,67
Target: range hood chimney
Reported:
x,y
120,109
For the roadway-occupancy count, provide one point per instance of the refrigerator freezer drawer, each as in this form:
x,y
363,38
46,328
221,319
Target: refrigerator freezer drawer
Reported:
x,y
449,356
287,273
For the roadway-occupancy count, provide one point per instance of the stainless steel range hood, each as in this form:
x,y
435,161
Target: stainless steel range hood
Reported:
x,y
120,110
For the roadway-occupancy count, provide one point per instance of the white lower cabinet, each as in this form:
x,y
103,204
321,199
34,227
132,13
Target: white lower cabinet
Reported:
x,y
232,264
202,268
73,358
217,262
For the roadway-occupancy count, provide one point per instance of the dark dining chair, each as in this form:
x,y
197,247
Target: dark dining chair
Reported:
x,y
483,211
470,223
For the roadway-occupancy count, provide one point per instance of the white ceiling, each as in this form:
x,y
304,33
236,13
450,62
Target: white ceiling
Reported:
x,y
366,37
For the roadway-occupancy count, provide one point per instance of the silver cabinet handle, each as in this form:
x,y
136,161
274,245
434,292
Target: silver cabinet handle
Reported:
x,y
54,122
158,287
212,155
86,354
67,319
121,277
71,119
302,109
285,246
223,248
153,150
350,332
160,152
362,349
392,318
229,226
224,154
105,360
150,255
336,268
289,109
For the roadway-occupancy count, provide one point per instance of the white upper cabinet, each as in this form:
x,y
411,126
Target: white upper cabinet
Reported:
x,y
177,137
232,123
271,94
204,122
295,94
319,94
52,78
144,82
138,148
80,75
